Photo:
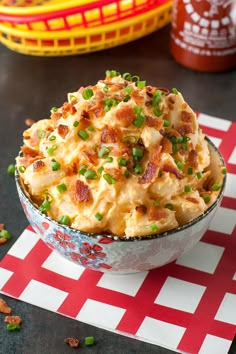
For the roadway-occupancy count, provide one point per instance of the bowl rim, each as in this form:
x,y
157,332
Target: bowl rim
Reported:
x,y
131,238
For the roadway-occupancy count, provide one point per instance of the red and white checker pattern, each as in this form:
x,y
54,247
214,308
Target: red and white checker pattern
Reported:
x,y
188,305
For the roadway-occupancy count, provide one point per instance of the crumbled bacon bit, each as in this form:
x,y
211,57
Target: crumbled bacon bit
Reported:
x,y
192,158
37,165
166,145
149,174
2,241
172,99
193,200
82,191
155,155
154,122
73,342
186,117
139,99
29,152
84,123
185,129
29,122
125,115
85,114
91,155
67,109
13,320
157,213
168,167
2,226
55,116
109,135
141,209
115,173
4,308
72,169
63,130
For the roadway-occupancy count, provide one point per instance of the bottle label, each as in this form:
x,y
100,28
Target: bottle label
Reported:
x,y
205,27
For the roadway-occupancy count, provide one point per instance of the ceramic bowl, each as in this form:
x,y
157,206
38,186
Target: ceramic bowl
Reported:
x,y
113,254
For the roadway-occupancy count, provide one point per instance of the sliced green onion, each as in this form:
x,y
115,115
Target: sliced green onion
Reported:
x,y
52,137
139,120
112,73
126,98
175,91
90,174
41,133
157,98
98,216
135,78
130,139
185,139
180,165
224,171
91,128
5,234
141,84
87,93
109,159
55,165
137,153
83,134
104,152
54,109
106,88
72,98
109,103
45,206
13,327
166,123
122,161
127,76
206,197
83,169
155,203
64,220
159,174
61,188
187,189
76,123
127,89
184,147
138,110
22,169
126,174
89,340
109,179
199,175
138,169
216,186
174,148
11,169
154,227
52,149
169,206
100,169
190,171
157,112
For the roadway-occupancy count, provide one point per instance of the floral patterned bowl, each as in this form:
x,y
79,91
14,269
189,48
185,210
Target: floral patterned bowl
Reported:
x,y
109,253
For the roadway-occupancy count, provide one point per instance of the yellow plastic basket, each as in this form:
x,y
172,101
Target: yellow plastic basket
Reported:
x,y
71,42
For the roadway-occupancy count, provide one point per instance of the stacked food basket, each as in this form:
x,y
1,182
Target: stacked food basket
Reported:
x,y
67,27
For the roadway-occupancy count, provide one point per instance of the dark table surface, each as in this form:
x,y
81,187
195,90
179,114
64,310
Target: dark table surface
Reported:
x,y
29,87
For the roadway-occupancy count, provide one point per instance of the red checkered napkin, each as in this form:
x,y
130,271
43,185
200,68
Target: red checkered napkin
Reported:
x,y
188,305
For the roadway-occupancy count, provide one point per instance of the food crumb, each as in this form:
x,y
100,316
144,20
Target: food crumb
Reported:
x,y
73,342
13,320
4,234
29,122
89,341
4,308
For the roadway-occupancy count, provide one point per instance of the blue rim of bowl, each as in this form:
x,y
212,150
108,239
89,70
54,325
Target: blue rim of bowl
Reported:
x,y
132,238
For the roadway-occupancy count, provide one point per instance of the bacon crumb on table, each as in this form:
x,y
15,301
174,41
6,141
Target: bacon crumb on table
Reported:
x,y
4,308
72,342
13,320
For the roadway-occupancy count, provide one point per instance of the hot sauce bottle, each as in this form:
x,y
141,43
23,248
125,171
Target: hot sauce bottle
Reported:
x,y
203,34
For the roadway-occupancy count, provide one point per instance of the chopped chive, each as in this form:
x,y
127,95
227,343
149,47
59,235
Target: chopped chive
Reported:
x,y
87,93
89,340
54,109
5,234
52,149
216,186
224,171
76,123
190,171
64,220
91,128
52,137
90,174
11,169
55,165
104,152
126,174
100,169
98,216
22,169
154,227
138,169
83,169
45,206
122,161
156,98
175,91
187,189
109,179
199,175
180,165
169,206
206,197
166,123
13,327
109,159
41,133
141,84
61,187
155,203
83,134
